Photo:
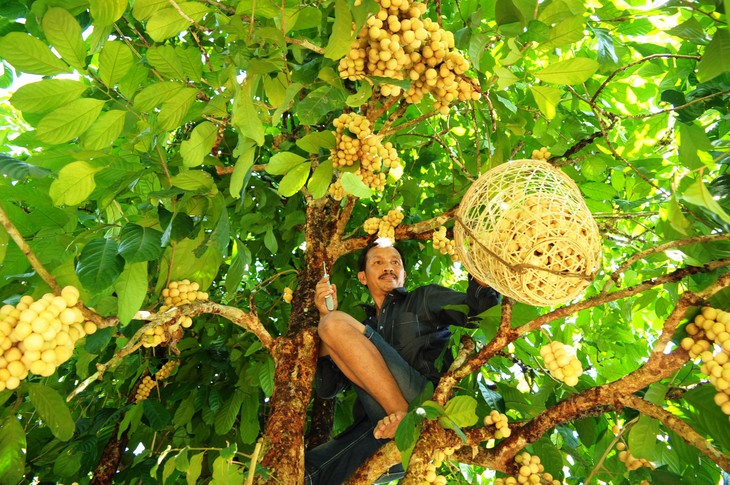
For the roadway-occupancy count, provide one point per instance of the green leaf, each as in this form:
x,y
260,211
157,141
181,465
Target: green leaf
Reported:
x,y
74,184
598,191
312,142
362,96
568,31
408,431
698,194
341,36
143,9
69,121
354,186
115,61
195,180
154,95
321,179
242,170
167,22
105,130
318,103
52,409
228,413
12,450
571,71
156,414
166,61
64,33
692,138
46,95
432,409
282,162
195,468
168,470
462,410
176,108
716,59
643,438
131,289
99,264
106,12
266,374
547,99
294,179
200,143
225,472
138,243
28,54
505,13
245,116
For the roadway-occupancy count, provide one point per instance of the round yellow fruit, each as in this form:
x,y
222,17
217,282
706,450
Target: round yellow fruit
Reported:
x,y
71,295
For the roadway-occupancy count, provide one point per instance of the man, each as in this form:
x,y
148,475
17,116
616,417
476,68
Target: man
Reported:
x,y
389,358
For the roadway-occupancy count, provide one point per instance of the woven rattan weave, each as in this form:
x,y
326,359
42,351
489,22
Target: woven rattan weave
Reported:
x,y
524,229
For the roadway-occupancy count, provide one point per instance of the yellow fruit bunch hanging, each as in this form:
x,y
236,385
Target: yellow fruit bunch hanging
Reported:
x,y
385,226
355,142
37,336
709,339
399,43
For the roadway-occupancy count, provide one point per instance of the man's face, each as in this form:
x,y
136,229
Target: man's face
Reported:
x,y
383,270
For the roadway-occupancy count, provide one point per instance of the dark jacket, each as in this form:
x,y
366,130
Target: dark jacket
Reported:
x,y
416,323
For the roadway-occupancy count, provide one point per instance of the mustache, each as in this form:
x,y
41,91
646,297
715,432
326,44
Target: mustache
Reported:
x,y
387,274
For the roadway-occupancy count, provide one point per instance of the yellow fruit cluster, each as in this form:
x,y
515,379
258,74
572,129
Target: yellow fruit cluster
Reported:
x,y
38,336
385,227
148,383
288,294
355,142
443,243
541,154
560,359
144,389
530,471
710,341
398,43
500,422
181,292
631,462
432,476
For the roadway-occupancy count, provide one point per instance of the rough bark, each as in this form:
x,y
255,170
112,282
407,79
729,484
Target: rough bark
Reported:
x,y
284,432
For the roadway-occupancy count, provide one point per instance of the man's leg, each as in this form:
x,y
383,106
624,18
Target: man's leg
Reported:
x,y
343,339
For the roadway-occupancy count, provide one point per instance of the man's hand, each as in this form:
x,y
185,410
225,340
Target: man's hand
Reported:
x,y
323,289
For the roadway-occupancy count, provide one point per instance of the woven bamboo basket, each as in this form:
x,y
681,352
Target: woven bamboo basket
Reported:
x,y
524,229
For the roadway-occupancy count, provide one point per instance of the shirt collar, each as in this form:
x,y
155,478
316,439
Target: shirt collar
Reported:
x,y
371,311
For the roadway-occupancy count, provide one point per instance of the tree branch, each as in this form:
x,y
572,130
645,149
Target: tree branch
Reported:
x,y
688,434
305,43
13,232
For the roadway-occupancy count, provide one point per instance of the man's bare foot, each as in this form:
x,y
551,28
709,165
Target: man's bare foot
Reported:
x,y
385,429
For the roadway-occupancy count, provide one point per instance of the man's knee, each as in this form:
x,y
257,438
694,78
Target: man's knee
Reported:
x,y
334,324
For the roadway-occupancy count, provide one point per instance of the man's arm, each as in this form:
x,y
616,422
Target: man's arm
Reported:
x,y
477,298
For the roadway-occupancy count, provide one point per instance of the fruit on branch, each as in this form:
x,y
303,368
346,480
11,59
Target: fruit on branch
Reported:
x,y
432,475
398,43
443,243
38,336
710,341
541,154
631,462
355,142
181,292
148,383
562,362
175,294
530,471
145,388
288,294
500,421
385,227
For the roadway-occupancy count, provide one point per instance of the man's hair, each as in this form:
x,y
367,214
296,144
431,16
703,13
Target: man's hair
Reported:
x,y
378,243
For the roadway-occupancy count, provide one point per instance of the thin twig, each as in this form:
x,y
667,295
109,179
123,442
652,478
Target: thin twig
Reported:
x,y
306,44
187,17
